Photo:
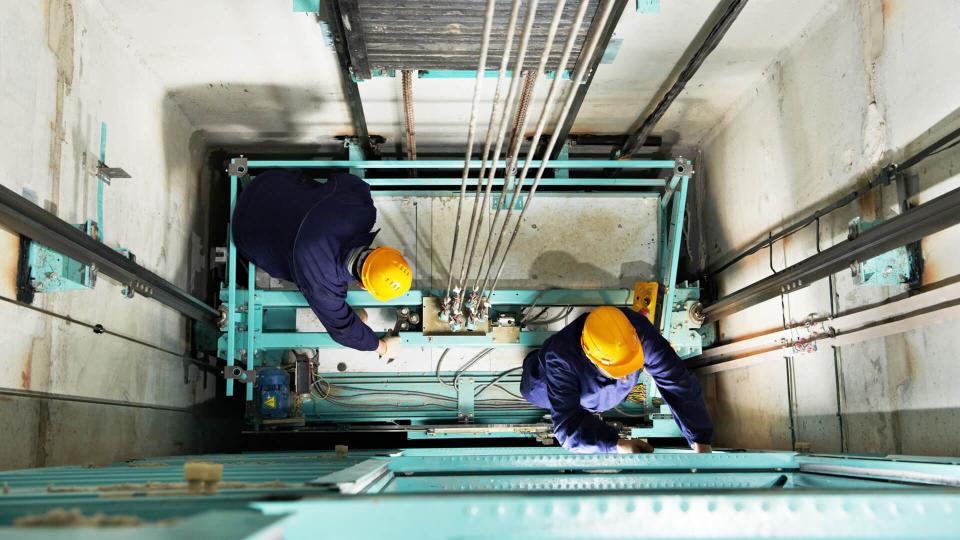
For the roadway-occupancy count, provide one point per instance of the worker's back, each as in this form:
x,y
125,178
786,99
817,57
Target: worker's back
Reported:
x,y
283,210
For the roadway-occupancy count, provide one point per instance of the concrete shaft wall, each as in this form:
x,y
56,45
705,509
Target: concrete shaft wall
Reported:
x,y
61,75
862,86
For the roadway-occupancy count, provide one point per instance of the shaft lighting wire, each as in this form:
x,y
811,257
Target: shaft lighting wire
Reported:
x,y
522,125
548,105
470,245
471,131
509,106
594,39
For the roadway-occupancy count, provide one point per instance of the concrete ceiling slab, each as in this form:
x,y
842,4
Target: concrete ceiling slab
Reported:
x,y
254,72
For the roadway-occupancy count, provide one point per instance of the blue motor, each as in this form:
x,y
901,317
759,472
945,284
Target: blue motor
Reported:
x,y
273,387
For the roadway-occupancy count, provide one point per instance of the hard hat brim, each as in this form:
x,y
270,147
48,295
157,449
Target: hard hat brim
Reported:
x,y
621,370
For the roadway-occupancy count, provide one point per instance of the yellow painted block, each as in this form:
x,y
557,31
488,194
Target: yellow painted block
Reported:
x,y
645,298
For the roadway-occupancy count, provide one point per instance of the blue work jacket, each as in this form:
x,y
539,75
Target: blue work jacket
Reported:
x,y
303,231
559,377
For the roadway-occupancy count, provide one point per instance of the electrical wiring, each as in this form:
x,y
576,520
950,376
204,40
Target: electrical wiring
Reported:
x,y
627,414
496,379
563,315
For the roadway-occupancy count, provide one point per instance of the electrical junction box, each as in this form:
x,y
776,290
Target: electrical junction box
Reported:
x,y
895,267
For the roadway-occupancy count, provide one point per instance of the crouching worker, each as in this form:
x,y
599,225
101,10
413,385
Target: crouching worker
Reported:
x,y
318,235
590,366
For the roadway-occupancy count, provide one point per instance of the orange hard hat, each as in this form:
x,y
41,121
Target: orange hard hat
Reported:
x,y
386,274
611,342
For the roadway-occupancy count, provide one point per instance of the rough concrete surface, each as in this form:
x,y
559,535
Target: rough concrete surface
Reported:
x,y
62,73
861,86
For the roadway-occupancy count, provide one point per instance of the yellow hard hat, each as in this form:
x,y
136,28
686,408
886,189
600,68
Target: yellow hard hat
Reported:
x,y
610,341
386,274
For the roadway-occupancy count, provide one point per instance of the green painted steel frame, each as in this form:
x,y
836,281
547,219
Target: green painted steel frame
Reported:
x,y
254,338
506,492
448,164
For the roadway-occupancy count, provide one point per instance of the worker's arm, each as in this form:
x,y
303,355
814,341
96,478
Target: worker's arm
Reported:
x,y
341,321
678,387
575,428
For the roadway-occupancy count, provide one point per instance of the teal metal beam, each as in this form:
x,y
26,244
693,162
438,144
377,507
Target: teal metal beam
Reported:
x,y
672,261
775,513
521,297
472,74
443,192
458,164
100,182
657,462
545,182
231,283
321,340
586,482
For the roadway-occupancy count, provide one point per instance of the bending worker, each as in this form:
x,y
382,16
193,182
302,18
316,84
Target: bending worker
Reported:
x,y
591,365
318,235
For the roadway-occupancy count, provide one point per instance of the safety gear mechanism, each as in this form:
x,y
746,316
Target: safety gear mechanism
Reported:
x,y
610,341
385,274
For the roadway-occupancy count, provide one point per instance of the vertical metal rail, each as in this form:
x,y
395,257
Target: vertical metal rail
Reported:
x,y
545,114
719,27
475,224
103,160
252,324
669,278
502,130
515,150
231,283
592,42
351,92
471,133
606,29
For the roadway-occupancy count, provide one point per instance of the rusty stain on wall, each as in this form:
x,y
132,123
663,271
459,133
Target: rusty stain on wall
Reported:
x,y
10,250
60,40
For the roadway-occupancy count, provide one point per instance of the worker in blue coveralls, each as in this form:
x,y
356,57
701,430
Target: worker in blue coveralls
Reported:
x,y
590,366
318,235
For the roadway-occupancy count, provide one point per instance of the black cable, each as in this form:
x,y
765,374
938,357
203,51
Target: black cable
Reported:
x,y
100,329
884,177
36,394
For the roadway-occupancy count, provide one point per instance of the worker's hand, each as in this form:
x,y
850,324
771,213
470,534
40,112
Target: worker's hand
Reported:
x,y
389,347
633,446
362,313
701,448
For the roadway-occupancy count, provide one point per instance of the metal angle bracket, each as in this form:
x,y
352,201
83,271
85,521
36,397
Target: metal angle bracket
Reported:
x,y
50,271
107,174
238,167
465,399
683,167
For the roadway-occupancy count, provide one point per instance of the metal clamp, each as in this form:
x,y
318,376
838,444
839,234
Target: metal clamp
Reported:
x,y
238,167
683,167
237,373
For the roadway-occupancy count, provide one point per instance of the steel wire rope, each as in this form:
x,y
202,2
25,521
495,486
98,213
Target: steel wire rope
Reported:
x,y
571,95
471,131
548,105
470,246
509,106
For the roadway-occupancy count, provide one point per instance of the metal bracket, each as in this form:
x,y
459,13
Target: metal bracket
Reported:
x,y
465,399
109,173
237,373
683,167
50,271
238,167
